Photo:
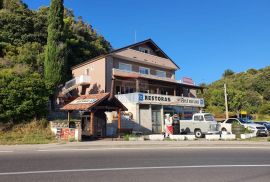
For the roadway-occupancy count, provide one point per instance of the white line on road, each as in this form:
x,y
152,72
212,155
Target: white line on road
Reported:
x,y
129,168
145,148
5,151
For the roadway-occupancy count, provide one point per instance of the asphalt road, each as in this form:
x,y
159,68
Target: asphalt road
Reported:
x,y
141,164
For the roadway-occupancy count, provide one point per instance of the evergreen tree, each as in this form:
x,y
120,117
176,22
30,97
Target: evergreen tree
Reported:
x,y
228,72
55,50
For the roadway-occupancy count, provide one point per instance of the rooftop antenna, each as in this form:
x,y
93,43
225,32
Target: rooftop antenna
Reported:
x,y
135,36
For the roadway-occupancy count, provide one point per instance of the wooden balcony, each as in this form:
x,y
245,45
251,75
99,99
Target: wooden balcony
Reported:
x,y
132,74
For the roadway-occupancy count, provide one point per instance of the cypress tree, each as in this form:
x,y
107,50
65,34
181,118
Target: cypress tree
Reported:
x,y
55,51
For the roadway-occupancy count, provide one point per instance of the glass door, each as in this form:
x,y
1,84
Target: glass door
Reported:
x,y
156,121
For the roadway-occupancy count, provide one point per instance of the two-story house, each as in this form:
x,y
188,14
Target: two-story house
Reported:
x,y
142,77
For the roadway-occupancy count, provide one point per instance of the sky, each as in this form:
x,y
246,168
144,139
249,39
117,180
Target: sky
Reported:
x,y
204,37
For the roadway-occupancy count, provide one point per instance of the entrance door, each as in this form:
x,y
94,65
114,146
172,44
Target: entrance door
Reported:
x,y
100,123
156,121
85,125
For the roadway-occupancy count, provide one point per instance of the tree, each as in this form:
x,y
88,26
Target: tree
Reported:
x,y
252,71
228,72
266,94
55,50
1,4
265,108
236,101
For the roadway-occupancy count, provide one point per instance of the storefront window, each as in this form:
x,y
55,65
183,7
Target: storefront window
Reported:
x,y
184,113
187,115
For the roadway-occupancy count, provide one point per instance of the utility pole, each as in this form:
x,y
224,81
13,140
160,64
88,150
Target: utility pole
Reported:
x,y
226,101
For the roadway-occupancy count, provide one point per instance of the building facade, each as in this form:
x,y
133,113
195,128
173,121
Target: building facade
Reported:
x,y
142,77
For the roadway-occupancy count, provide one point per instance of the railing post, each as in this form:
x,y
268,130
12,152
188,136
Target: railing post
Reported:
x,y
137,85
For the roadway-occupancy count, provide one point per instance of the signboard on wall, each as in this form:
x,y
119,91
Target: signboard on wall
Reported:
x,y
84,101
145,98
187,80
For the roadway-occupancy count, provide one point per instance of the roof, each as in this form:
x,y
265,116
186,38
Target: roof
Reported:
x,y
144,58
88,102
123,48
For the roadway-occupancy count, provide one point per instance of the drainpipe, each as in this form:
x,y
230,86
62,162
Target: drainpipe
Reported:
x,y
112,89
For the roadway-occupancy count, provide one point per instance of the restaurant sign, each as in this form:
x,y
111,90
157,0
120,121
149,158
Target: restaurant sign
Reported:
x,y
144,98
84,101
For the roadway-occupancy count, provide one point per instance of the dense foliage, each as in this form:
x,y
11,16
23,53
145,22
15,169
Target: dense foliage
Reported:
x,y
248,91
23,94
23,40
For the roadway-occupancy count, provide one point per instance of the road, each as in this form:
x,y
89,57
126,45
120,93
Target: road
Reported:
x,y
139,163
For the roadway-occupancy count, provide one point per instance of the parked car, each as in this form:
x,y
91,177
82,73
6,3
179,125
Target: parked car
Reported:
x,y
258,129
265,124
201,124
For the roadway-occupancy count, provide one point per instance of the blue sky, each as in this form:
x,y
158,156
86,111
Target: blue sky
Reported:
x,y
204,37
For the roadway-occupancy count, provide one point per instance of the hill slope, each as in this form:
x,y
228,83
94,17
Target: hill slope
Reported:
x,y
249,91
23,36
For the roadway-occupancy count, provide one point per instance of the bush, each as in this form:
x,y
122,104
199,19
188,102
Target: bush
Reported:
x,y
22,96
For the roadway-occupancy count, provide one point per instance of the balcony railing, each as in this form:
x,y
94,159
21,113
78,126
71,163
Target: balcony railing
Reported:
x,y
133,74
75,82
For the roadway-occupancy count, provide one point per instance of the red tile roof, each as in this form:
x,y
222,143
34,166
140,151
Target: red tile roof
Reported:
x,y
86,102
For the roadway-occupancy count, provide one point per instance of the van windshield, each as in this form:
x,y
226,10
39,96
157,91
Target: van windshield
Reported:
x,y
209,117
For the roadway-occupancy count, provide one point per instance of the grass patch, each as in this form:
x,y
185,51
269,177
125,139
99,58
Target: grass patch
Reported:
x,y
257,139
34,132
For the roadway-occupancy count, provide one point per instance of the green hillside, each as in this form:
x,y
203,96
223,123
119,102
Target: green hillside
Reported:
x,y
24,92
248,91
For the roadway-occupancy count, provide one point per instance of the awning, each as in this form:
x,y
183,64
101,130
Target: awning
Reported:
x,y
94,101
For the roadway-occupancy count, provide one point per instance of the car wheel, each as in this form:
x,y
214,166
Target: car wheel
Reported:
x,y
223,129
198,134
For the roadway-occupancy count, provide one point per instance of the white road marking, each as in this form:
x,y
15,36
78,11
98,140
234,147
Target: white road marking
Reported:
x,y
5,151
145,148
129,168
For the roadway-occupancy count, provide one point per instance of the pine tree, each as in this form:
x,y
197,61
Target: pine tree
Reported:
x,y
55,51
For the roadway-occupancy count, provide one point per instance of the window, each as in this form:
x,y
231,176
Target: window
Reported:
x,y
144,70
163,92
87,71
145,50
127,90
209,117
123,89
232,121
118,89
198,118
161,73
125,67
